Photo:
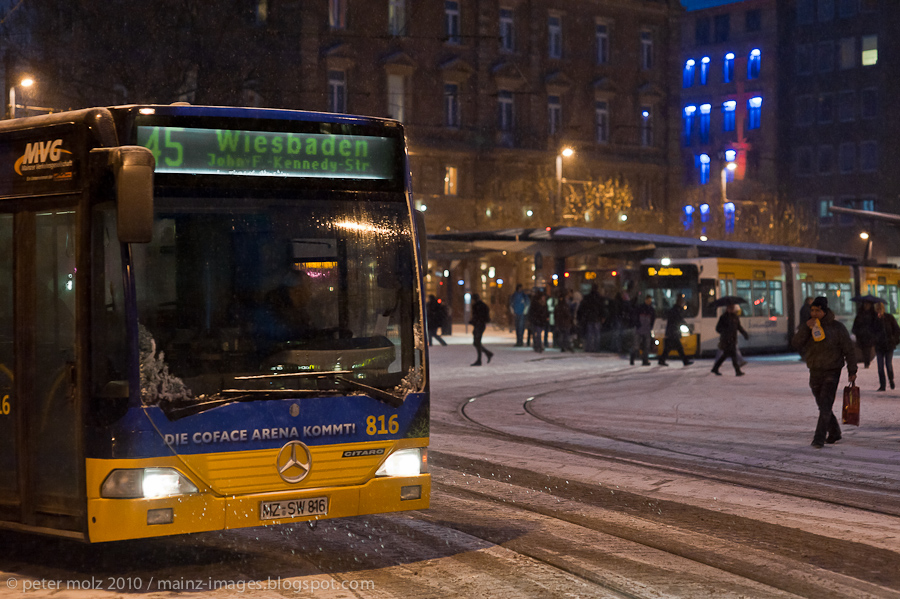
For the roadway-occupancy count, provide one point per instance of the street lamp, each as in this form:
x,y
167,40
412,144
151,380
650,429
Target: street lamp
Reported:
x,y
868,251
565,153
24,82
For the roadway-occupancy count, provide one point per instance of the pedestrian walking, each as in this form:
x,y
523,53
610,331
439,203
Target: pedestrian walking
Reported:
x,y
827,346
435,315
562,315
518,307
539,319
481,316
674,320
728,327
864,330
644,317
887,336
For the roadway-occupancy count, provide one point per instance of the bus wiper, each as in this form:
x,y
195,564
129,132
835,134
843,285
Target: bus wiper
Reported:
x,y
335,375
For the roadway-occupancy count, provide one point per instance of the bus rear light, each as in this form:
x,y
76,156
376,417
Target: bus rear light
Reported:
x,y
405,462
140,483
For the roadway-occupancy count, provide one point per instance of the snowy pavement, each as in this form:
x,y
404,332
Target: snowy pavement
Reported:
x,y
765,418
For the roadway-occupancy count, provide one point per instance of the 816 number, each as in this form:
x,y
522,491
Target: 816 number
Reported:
x,y
376,425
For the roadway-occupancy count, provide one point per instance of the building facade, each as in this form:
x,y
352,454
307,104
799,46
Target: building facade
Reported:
x,y
839,60
729,114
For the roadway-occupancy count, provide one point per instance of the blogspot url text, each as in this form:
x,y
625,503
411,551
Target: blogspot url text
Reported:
x,y
137,583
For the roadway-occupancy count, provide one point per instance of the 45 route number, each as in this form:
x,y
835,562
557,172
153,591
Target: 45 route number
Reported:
x,y
5,408
376,426
172,152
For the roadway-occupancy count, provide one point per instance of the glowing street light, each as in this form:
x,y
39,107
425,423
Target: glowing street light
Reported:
x,y
24,82
868,251
564,153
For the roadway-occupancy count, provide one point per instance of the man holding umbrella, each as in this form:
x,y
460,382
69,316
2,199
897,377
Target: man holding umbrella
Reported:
x,y
728,327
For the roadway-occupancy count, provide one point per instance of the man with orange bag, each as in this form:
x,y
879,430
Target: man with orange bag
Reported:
x,y
827,346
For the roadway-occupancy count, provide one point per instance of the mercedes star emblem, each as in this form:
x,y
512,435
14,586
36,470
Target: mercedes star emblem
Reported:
x,y
293,462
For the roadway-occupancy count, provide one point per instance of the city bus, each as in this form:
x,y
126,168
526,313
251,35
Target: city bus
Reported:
x,y
211,318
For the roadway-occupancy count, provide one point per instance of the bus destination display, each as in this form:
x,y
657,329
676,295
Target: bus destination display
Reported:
x,y
269,154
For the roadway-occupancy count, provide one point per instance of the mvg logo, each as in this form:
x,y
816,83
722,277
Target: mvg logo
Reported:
x,y
39,152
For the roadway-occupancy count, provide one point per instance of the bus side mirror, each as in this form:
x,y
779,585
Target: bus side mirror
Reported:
x,y
133,170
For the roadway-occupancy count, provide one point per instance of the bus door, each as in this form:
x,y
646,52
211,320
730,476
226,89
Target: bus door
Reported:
x,y
42,469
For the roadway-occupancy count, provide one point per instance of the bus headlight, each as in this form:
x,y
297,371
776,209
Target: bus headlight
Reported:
x,y
685,329
405,462
139,483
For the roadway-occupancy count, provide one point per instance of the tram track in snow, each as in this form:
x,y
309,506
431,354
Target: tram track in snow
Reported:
x,y
713,554
676,461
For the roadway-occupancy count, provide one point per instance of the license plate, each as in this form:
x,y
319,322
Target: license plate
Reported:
x,y
293,508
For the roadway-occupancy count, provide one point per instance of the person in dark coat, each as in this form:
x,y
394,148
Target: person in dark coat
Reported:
x,y
481,315
886,337
538,319
435,315
825,359
644,317
674,320
591,315
728,327
864,329
562,314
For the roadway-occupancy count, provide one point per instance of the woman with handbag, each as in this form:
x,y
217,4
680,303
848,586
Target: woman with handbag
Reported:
x,y
887,335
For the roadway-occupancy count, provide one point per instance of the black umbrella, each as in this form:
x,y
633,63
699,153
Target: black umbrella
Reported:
x,y
728,300
868,298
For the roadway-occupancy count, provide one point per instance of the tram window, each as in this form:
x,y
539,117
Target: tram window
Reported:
x,y
742,290
889,294
726,287
838,295
759,302
776,299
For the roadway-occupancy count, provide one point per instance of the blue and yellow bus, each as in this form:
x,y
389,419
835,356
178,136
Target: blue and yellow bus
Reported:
x,y
211,318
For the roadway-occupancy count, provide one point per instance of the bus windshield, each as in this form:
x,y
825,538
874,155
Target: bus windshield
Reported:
x,y
666,283
257,298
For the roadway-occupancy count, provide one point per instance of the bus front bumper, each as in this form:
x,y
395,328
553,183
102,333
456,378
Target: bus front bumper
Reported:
x,y
121,519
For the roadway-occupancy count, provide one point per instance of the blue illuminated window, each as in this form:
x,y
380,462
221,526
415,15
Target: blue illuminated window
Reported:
x,y
704,70
688,75
704,213
704,123
754,112
728,68
728,112
729,217
688,124
687,216
754,62
704,173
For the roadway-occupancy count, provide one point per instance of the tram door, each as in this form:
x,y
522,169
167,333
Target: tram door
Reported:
x,y
41,463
